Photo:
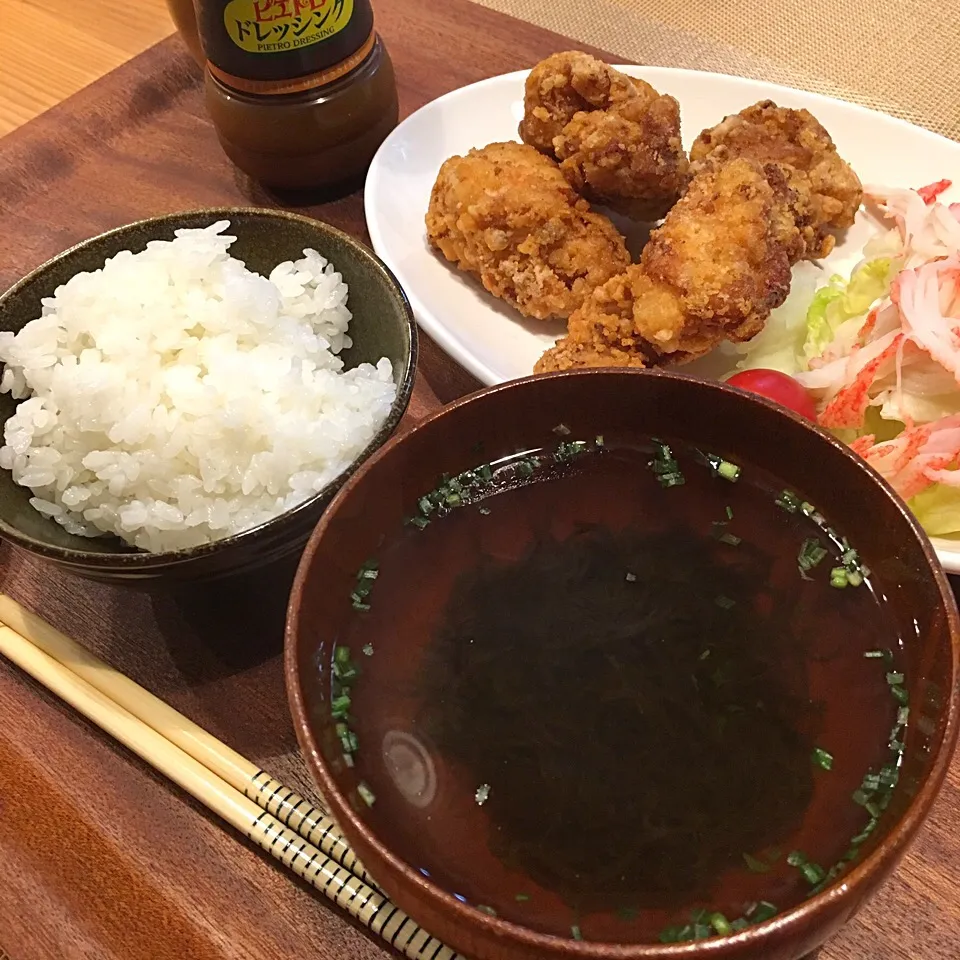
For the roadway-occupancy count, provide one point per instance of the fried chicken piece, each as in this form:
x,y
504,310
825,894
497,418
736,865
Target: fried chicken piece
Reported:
x,y
713,271
617,139
507,214
829,192
565,84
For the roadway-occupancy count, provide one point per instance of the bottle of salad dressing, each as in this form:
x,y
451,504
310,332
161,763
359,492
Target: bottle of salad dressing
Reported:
x,y
302,92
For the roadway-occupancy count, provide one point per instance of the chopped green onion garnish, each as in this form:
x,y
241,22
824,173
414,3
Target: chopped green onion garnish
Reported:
x,y
489,911
725,603
860,797
522,897
426,506
671,480
739,924
895,678
900,694
763,911
340,706
865,832
871,782
524,468
729,471
754,865
420,522
341,655
483,792
874,654
730,539
721,924
807,508
902,715
812,873
822,758
729,513
348,759
889,776
854,578
839,577
811,553
796,859
366,794
566,451
347,673
341,729
485,511
368,649
362,588
485,472
575,932
665,466
561,430
788,501
599,440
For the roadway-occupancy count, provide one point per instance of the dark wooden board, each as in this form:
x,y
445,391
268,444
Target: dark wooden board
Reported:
x,y
102,858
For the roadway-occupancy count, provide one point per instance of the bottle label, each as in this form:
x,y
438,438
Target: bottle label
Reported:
x,y
283,46
275,26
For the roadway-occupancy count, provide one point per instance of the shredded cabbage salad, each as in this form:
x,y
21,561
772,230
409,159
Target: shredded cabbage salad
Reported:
x,y
880,352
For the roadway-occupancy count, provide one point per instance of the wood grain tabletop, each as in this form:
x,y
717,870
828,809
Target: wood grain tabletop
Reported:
x,y
45,56
103,859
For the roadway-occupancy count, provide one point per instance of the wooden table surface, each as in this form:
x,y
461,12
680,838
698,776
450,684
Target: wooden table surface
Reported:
x,y
47,55
102,859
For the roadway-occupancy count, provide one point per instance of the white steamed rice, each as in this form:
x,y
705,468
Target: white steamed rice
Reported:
x,y
175,397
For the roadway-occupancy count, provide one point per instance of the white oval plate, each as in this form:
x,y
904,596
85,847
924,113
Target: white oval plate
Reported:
x,y
488,337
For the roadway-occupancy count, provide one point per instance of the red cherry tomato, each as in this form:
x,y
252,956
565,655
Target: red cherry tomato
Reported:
x,y
778,387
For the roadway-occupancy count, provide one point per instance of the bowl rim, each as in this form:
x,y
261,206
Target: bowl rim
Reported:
x,y
768,933
405,382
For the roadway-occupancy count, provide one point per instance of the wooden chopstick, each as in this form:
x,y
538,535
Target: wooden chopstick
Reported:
x,y
323,871
309,821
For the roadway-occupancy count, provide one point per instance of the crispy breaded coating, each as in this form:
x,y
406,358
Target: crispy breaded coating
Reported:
x,y
565,84
629,157
713,271
617,139
507,214
829,192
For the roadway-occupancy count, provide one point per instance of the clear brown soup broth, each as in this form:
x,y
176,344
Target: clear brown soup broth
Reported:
x,y
574,648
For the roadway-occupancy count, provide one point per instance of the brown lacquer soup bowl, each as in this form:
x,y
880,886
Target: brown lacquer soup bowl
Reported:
x,y
460,868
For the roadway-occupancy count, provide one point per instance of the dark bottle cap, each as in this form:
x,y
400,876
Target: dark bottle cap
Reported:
x,y
284,46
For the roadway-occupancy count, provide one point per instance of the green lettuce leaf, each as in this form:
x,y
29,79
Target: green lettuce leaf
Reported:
x,y
938,509
841,300
779,345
